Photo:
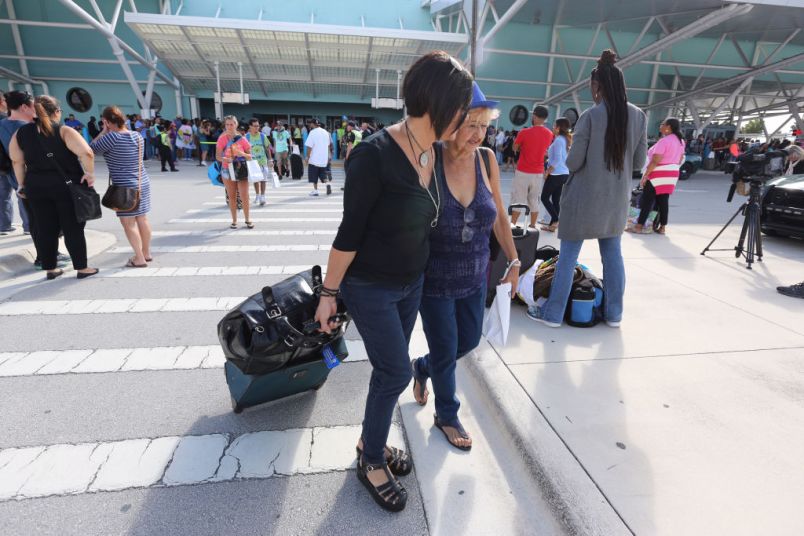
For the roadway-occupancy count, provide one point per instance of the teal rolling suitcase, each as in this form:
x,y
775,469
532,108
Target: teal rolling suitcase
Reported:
x,y
251,390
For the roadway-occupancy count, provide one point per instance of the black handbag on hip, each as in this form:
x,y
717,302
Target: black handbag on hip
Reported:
x,y
86,200
277,328
121,198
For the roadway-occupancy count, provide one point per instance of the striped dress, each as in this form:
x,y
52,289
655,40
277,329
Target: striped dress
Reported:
x,y
121,151
665,176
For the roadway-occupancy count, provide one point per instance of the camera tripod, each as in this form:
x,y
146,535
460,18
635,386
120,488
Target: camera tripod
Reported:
x,y
751,210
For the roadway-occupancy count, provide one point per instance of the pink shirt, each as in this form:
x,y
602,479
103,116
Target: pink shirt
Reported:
x,y
665,176
223,141
671,149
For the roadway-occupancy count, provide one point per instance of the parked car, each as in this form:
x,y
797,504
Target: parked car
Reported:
x,y
692,163
783,207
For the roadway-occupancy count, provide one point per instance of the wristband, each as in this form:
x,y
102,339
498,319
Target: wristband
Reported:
x,y
510,265
329,292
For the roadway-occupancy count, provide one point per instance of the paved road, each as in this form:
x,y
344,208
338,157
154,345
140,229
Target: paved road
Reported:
x,y
116,417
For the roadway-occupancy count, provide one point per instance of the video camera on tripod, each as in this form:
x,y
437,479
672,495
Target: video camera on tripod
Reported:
x,y
752,167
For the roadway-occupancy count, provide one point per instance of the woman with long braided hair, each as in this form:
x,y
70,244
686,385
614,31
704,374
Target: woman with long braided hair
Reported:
x,y
609,142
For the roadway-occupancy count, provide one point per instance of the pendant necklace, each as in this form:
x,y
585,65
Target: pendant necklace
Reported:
x,y
424,158
424,155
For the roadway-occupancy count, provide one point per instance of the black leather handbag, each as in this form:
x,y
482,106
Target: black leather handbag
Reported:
x,y
121,198
276,328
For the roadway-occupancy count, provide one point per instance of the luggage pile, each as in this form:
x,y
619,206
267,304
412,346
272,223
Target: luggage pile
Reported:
x,y
272,345
584,308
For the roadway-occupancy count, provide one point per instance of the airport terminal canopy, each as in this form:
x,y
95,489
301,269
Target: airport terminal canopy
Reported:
x,y
286,57
704,60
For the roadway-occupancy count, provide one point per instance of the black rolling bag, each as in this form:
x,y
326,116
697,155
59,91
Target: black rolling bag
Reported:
x,y
296,167
526,242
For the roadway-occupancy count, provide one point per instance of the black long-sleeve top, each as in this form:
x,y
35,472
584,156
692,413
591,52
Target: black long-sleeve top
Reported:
x,y
387,214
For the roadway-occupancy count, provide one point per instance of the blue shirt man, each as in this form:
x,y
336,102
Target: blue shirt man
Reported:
x,y
20,106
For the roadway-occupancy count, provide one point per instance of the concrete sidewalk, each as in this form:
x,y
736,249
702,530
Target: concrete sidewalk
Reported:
x,y
689,418
17,252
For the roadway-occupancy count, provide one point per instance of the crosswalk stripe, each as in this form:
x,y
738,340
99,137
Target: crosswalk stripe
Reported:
x,y
286,196
230,249
71,469
117,305
251,232
257,220
202,271
50,362
270,204
274,210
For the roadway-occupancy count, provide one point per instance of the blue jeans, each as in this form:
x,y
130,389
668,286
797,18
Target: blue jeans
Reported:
x,y
613,280
385,314
453,328
8,185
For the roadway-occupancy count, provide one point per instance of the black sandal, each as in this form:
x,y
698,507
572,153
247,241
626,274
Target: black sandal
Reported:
x,y
454,424
391,496
421,391
399,462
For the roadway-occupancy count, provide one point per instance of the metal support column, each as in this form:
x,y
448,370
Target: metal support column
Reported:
x,y
15,33
240,73
80,13
691,30
179,109
472,41
219,96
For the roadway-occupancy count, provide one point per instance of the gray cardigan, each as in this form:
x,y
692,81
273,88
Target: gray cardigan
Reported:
x,y
594,203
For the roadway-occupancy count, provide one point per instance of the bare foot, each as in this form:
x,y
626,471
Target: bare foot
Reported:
x,y
454,436
419,393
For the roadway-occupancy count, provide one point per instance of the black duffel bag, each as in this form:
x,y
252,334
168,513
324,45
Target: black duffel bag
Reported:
x,y
277,327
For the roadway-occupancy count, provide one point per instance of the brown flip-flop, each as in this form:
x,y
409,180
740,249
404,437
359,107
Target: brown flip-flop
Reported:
x,y
131,264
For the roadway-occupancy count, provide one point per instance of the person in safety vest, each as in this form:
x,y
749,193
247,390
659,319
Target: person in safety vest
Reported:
x,y
353,137
165,153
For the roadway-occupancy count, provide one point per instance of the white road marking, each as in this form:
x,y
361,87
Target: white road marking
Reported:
x,y
71,469
256,220
201,271
117,305
49,362
251,232
274,210
229,249
275,203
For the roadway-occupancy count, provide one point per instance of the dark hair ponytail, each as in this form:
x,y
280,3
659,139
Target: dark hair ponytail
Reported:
x,y
612,87
675,126
563,124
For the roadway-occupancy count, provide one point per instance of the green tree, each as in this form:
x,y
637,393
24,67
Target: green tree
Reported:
x,y
754,126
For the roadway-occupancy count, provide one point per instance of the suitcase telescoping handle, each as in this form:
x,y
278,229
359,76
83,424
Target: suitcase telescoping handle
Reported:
x,y
517,231
517,207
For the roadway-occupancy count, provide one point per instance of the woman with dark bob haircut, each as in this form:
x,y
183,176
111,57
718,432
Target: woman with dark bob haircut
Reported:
x,y
391,204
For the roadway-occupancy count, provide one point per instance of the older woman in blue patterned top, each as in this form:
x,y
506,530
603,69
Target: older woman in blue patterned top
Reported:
x,y
123,150
455,281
